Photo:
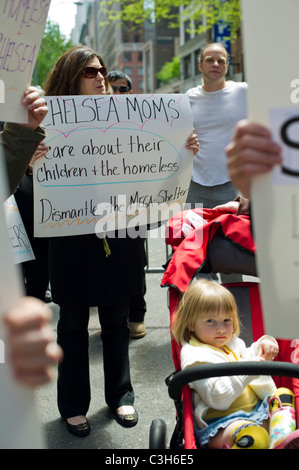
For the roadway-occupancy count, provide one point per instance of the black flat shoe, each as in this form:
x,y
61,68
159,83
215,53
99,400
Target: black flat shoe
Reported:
x,y
79,430
129,420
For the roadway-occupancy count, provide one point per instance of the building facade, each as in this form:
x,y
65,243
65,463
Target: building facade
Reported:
x,y
120,46
141,52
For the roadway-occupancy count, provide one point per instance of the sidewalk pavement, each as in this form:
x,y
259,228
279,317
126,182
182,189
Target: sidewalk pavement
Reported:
x,y
151,362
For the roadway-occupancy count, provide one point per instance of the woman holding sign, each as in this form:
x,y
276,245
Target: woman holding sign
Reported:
x,y
87,271
82,275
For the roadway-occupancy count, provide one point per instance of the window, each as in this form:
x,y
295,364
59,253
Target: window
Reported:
x,y
164,41
127,56
128,70
187,66
187,26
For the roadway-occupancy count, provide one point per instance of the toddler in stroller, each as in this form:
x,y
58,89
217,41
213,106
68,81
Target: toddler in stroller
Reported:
x,y
223,243
230,412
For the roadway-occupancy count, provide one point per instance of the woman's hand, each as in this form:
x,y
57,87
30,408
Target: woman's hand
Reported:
x,y
41,151
192,143
37,109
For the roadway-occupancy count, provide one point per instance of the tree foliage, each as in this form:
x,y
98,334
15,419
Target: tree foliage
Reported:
x,y
214,11
53,45
169,71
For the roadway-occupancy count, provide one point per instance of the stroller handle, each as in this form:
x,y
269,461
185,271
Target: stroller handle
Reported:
x,y
182,378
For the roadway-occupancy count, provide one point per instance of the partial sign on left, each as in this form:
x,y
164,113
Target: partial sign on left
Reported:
x,y
20,243
20,427
22,26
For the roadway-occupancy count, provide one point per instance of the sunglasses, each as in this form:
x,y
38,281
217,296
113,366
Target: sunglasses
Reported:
x,y
91,72
122,89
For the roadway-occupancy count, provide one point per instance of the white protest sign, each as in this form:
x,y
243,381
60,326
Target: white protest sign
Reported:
x,y
114,162
271,71
19,424
20,243
22,26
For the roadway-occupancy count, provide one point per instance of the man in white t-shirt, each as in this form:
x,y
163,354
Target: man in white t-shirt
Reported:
x,y
217,106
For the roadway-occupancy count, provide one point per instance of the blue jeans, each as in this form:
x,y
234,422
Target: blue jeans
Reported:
x,y
210,196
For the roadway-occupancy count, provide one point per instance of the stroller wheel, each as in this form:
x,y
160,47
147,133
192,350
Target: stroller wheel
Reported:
x,y
157,438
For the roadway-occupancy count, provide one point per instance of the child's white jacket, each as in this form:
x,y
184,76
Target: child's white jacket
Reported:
x,y
220,392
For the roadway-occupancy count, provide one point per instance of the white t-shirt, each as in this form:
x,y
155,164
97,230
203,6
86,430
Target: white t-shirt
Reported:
x,y
215,115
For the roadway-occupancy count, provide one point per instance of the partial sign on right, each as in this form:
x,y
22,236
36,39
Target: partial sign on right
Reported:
x,y
271,39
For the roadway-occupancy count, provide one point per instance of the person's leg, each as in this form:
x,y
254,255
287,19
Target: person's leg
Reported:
x,y
199,196
222,194
119,392
137,308
210,196
137,302
73,371
115,338
137,314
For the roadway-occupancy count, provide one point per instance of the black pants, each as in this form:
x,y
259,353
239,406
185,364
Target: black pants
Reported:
x,y
137,308
73,374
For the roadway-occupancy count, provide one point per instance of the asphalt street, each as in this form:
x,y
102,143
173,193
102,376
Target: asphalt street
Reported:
x,y
151,362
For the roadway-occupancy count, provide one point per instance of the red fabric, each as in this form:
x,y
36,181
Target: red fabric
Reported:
x,y
257,320
189,438
190,252
188,419
173,300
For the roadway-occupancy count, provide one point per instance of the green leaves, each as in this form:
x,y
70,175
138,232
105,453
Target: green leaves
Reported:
x,y
53,45
214,11
170,71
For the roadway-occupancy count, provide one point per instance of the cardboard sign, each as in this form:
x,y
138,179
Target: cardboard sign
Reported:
x,y
19,424
20,243
114,162
22,26
272,74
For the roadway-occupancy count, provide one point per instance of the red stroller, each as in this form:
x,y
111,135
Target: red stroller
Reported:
x,y
221,242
